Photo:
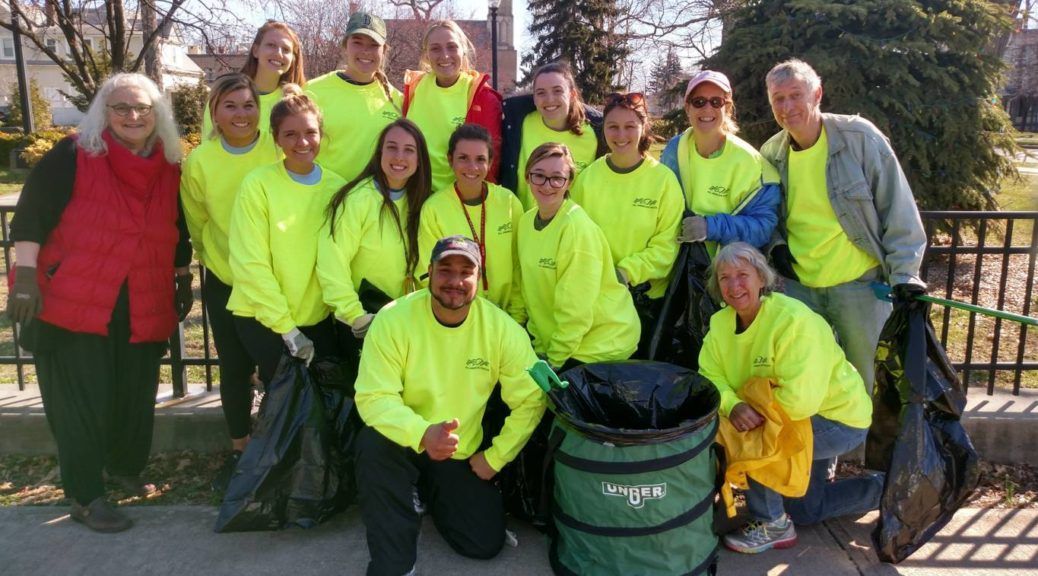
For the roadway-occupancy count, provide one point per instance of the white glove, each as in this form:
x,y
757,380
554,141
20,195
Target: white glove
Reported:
x,y
693,229
299,345
360,325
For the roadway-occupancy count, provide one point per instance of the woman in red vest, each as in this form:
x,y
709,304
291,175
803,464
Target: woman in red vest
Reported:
x,y
102,277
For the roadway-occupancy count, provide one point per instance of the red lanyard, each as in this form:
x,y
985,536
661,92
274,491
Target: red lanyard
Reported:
x,y
481,238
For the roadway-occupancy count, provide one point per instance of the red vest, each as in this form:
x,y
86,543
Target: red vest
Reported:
x,y
120,226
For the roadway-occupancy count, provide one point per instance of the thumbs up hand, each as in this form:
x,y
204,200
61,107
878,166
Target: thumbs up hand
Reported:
x,y
440,442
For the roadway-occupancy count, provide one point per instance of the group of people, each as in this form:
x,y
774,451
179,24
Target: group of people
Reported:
x,y
442,240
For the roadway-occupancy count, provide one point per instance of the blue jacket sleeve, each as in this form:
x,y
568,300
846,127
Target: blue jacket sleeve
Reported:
x,y
753,224
669,158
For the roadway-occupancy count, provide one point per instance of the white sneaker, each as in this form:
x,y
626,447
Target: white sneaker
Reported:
x,y
758,536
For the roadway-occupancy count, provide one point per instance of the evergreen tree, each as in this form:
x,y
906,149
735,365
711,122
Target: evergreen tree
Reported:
x,y
921,70
662,78
41,113
582,33
189,105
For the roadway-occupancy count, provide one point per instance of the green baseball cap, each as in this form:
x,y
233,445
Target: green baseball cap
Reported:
x,y
367,24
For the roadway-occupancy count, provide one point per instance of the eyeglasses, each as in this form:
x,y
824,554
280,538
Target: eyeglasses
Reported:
x,y
716,101
539,179
123,110
635,99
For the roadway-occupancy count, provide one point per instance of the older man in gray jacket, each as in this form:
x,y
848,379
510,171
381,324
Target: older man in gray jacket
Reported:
x,y
848,217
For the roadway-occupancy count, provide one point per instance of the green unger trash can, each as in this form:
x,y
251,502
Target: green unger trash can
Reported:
x,y
635,471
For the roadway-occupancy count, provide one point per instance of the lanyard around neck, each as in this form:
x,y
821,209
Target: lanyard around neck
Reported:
x,y
481,238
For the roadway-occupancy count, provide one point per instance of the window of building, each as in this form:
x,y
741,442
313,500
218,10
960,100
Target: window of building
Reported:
x,y
7,45
52,44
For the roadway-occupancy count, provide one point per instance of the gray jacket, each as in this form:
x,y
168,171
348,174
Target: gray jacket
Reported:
x,y
869,194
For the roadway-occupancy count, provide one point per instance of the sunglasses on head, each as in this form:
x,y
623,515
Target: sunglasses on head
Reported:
x,y
716,101
629,99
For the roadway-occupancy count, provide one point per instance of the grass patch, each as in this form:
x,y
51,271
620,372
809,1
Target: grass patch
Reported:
x,y
11,181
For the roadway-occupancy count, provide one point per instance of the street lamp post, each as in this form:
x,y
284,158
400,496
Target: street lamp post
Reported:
x,y
494,5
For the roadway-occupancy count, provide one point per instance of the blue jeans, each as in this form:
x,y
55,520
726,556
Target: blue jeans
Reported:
x,y
856,315
824,499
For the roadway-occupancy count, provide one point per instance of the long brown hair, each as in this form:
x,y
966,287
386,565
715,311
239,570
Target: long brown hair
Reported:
x,y
576,117
296,72
224,85
417,190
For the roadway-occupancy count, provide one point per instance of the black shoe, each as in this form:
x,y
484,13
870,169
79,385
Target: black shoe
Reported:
x,y
223,475
132,485
100,516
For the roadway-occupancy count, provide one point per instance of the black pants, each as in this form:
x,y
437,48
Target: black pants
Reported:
x,y
236,365
99,397
266,346
467,511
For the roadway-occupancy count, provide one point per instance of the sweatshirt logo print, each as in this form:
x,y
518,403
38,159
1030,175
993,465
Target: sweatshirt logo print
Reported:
x,y
477,364
458,121
721,191
636,495
505,228
762,362
645,203
390,114
548,263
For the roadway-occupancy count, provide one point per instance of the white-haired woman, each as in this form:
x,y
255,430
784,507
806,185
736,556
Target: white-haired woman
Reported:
x,y
101,280
761,333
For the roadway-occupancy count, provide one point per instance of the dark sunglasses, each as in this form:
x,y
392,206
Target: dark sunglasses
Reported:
x,y
716,101
629,99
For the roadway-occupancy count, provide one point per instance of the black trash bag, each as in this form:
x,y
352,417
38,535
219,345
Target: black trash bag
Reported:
x,y
917,435
635,402
526,481
684,318
298,469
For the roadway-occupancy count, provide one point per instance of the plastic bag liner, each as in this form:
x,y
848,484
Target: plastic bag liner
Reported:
x,y
917,435
635,402
298,467
685,316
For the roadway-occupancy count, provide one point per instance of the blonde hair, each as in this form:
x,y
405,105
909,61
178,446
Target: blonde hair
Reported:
x,y
468,51
95,122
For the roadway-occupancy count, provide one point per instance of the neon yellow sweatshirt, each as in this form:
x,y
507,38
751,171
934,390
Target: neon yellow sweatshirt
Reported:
x,y
444,215
535,133
266,104
640,215
438,112
576,306
792,345
209,183
366,245
273,252
354,115
415,372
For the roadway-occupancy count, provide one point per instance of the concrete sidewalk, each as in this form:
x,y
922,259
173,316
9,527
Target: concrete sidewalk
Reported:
x,y
178,540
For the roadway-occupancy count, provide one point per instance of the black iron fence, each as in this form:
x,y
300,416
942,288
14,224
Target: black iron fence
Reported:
x,y
985,258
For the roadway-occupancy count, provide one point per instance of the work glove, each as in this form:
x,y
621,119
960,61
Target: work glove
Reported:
x,y
693,229
183,298
621,277
299,346
24,301
906,293
782,259
360,325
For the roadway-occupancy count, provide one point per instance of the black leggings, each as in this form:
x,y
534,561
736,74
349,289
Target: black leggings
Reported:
x,y
266,346
236,364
